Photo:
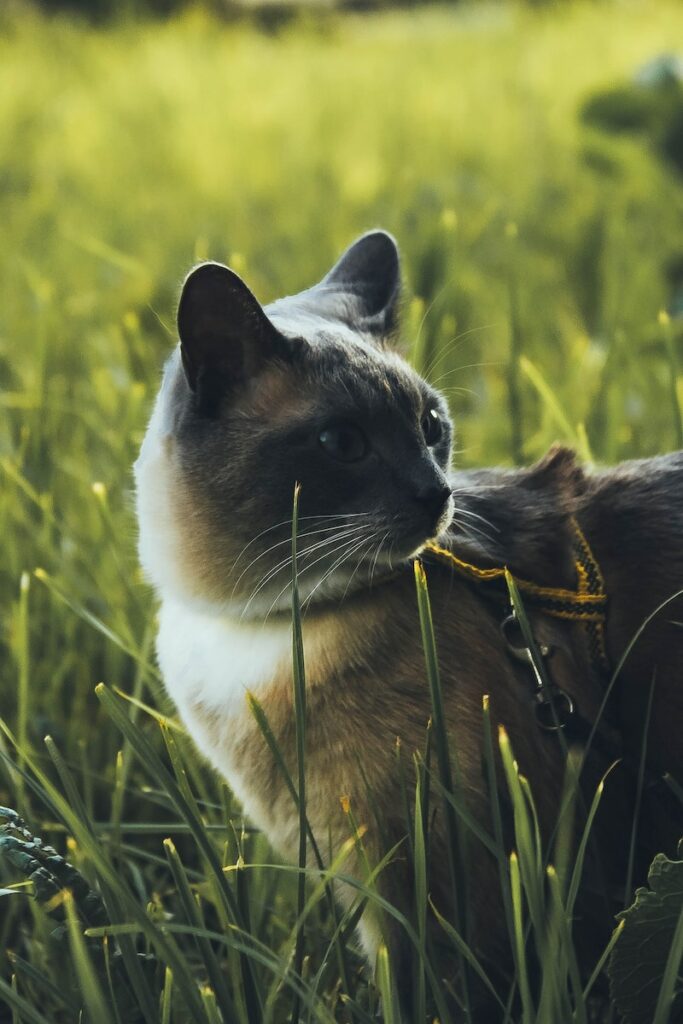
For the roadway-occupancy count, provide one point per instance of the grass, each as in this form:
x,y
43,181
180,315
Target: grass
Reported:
x,y
536,256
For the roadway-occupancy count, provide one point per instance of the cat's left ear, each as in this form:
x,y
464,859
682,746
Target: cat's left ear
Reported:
x,y
225,336
369,273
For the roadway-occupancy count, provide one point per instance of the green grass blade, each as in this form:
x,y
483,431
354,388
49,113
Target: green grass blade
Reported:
x,y
89,984
580,855
187,811
299,687
117,897
455,841
387,988
519,946
20,1006
247,945
41,981
421,899
194,916
24,665
167,996
267,732
67,781
527,857
672,361
468,953
561,952
210,1005
514,389
628,885
550,400
113,1002
498,846
602,960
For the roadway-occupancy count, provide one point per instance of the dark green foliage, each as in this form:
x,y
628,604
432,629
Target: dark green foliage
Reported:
x,y
48,872
639,962
651,106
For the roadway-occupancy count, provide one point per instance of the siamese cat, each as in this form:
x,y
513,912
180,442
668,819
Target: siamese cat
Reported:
x,y
309,391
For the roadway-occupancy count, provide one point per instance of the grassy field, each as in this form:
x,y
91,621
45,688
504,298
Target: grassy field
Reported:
x,y
128,154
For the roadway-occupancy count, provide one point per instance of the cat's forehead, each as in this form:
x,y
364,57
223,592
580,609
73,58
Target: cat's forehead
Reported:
x,y
371,377
343,361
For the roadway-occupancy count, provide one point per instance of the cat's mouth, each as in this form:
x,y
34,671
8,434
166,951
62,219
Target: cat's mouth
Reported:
x,y
409,541
413,542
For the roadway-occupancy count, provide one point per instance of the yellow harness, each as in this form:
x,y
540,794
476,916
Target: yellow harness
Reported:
x,y
586,604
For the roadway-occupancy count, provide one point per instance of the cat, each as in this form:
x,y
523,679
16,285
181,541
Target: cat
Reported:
x,y
309,391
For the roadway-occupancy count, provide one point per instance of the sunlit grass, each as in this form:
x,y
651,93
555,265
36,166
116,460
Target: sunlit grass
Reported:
x,y
535,256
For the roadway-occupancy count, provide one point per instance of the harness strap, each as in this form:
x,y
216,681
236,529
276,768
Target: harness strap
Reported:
x,y
586,604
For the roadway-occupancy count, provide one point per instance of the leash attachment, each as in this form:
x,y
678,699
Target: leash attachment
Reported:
x,y
552,706
586,604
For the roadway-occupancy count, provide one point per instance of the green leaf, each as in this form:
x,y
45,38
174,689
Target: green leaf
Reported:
x,y
641,967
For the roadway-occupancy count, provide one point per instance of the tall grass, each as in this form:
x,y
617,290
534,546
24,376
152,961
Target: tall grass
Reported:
x,y
196,934
125,156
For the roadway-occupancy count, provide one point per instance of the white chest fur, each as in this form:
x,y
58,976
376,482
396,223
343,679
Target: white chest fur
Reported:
x,y
209,663
213,660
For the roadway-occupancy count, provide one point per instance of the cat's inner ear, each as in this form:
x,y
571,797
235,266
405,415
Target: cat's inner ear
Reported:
x,y
225,336
370,272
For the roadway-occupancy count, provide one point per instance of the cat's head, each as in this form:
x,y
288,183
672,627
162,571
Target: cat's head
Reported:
x,y
307,391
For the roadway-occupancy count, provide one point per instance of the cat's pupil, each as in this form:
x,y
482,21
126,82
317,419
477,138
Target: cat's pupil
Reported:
x,y
344,441
431,427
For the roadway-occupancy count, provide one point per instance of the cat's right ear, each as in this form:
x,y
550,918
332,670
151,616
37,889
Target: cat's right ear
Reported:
x,y
225,336
370,272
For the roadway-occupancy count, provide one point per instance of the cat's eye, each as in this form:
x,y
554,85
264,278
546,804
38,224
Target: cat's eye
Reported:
x,y
431,427
344,441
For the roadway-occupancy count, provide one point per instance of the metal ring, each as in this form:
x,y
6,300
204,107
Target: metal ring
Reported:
x,y
520,650
553,712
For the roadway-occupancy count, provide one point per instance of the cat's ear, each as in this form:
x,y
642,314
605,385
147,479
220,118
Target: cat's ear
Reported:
x,y
225,336
370,272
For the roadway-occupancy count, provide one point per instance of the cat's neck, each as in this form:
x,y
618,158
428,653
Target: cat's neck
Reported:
x,y
211,656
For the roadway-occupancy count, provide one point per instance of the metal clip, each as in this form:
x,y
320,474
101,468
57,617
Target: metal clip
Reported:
x,y
514,638
553,707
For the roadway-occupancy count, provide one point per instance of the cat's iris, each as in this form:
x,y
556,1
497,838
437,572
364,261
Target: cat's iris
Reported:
x,y
431,427
344,441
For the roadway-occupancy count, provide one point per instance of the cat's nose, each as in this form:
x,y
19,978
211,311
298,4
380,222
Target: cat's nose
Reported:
x,y
433,497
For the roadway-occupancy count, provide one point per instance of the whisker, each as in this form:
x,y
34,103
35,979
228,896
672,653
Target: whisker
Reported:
x,y
370,541
347,544
280,543
391,565
271,573
466,366
452,345
377,554
471,529
288,522
342,558
426,313
474,515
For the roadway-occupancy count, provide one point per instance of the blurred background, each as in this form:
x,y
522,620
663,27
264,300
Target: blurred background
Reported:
x,y
528,158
